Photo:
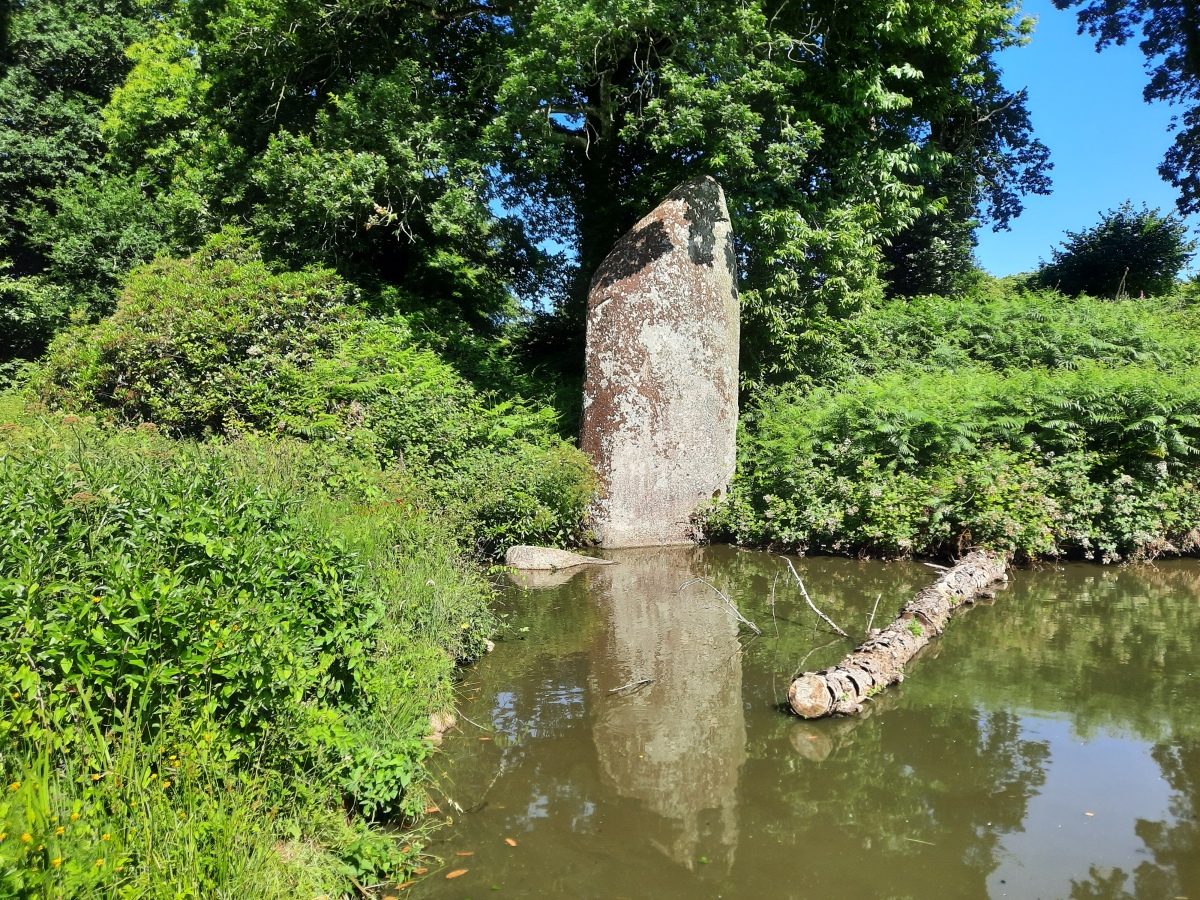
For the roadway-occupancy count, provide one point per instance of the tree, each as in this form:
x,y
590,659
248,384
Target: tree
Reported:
x,y
59,63
378,137
994,161
825,122
1129,253
1170,31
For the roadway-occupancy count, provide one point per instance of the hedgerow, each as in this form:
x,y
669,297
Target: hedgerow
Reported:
x,y
1018,420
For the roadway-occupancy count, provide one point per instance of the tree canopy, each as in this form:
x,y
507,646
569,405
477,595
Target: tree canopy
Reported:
x,y
449,151
1130,252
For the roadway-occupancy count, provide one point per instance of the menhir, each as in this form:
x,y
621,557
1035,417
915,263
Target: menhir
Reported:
x,y
660,395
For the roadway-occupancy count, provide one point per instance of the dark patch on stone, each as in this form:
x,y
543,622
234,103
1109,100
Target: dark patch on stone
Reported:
x,y
702,210
731,263
633,252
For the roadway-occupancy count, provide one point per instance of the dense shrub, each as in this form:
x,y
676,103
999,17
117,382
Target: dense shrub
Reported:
x,y
219,599
1001,327
1034,504
1130,252
1131,416
222,344
1024,421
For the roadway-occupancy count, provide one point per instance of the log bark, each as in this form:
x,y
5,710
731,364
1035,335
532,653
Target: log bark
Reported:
x,y
879,661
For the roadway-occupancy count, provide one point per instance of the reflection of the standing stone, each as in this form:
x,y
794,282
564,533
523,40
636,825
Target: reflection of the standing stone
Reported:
x,y
677,743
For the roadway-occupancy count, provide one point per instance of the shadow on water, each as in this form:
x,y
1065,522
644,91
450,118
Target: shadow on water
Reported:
x,y
1073,693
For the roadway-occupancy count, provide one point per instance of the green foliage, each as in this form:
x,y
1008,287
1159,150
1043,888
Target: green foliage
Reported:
x,y
810,117
218,600
173,817
49,112
1025,422
220,343
1001,328
31,311
1131,252
99,230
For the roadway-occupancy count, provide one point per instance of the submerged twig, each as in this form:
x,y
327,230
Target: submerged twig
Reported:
x,y
804,591
632,684
800,668
476,724
733,609
871,620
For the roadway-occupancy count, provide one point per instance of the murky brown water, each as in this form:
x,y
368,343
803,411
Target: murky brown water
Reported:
x,y
1073,693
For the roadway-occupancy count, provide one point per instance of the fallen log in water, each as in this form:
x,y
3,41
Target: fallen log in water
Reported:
x,y
879,661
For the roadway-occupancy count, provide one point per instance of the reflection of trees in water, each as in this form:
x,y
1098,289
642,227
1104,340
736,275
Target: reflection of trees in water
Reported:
x,y
917,796
1174,846
1107,647
947,765
678,743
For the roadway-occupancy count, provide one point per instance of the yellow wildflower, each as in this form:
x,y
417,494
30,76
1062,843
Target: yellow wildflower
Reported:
x,y
106,836
74,816
16,785
99,863
166,784
59,830
95,777
56,862
27,837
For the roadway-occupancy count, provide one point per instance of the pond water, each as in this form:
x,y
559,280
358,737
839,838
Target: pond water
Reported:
x,y
1047,746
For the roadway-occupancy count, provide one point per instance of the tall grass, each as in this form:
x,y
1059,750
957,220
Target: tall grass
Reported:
x,y
221,655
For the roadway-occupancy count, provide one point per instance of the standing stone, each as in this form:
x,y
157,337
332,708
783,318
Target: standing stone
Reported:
x,y
661,389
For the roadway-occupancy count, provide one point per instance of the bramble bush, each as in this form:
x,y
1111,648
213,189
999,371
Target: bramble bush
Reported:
x,y
222,344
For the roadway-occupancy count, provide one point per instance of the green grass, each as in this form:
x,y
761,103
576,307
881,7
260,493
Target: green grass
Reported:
x,y
279,618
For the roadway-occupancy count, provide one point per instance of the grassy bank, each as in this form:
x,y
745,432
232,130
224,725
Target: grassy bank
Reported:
x,y
219,662
1013,419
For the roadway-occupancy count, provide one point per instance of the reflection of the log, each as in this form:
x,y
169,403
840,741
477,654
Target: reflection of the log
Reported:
x,y
677,743
817,739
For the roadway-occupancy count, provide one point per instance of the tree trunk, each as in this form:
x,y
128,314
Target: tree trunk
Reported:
x,y
879,661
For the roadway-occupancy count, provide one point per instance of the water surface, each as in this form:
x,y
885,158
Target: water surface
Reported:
x,y
1047,746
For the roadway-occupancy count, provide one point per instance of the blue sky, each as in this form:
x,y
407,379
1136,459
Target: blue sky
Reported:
x,y
1105,141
